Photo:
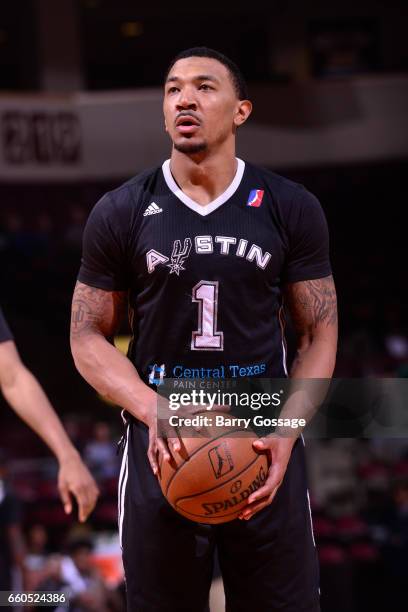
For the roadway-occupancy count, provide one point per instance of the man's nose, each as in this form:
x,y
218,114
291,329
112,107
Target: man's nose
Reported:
x,y
186,99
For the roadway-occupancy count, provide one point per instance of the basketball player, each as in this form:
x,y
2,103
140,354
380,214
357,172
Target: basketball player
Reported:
x,y
205,248
24,394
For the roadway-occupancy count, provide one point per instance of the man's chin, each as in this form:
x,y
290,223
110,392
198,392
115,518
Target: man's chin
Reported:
x,y
190,147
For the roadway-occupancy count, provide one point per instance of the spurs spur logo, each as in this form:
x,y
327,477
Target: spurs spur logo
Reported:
x,y
179,255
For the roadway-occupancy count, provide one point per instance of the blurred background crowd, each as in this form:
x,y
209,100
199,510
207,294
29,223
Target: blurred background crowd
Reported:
x,y
303,58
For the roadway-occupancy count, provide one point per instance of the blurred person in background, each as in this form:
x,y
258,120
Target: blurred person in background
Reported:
x,y
100,453
36,562
37,540
83,583
396,544
25,395
73,428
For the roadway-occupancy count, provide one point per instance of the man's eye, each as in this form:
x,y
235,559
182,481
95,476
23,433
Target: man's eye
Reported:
x,y
204,86
172,89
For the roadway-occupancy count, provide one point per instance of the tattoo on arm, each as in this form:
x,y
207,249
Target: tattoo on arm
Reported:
x,y
96,310
312,303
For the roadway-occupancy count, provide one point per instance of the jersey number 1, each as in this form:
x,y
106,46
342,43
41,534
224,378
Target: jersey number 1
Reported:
x,y
207,338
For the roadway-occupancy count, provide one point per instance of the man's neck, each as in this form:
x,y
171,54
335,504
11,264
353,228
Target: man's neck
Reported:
x,y
203,177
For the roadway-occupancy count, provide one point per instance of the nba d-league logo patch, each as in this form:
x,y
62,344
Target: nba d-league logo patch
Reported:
x,y
255,198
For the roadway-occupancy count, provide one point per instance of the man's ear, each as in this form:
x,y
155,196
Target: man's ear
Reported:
x,y
244,109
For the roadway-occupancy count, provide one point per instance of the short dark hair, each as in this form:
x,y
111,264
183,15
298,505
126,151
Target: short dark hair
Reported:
x,y
78,544
237,77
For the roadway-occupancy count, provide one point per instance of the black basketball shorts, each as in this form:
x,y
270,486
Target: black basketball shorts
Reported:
x,y
268,563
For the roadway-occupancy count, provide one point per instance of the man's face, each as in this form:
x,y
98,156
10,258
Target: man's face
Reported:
x,y
201,107
82,559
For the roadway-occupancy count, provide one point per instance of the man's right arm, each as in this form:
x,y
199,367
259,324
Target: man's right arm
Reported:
x,y
96,314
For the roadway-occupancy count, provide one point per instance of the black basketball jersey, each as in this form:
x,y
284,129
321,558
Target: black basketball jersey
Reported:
x,y
5,333
205,282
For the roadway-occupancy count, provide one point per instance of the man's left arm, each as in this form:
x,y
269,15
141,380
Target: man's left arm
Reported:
x,y
313,308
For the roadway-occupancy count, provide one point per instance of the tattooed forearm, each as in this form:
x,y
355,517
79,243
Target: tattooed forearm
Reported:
x,y
312,303
96,310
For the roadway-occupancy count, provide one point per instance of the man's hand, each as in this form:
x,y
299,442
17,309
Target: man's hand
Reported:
x,y
75,479
161,447
278,450
165,440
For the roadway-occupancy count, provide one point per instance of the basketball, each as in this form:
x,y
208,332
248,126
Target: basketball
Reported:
x,y
215,472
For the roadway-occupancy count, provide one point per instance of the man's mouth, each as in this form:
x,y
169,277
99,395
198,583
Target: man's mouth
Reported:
x,y
187,124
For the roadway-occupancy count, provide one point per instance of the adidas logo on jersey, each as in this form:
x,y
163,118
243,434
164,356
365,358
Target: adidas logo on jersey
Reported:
x,y
152,209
